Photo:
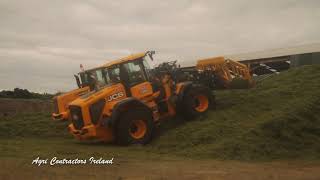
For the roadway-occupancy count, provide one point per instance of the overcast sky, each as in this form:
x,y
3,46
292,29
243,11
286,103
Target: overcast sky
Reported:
x,y
43,42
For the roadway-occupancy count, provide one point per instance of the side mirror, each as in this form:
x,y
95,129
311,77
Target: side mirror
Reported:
x,y
150,54
78,80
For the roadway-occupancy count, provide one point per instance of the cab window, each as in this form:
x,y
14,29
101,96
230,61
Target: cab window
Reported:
x,y
114,74
84,78
99,78
135,72
146,67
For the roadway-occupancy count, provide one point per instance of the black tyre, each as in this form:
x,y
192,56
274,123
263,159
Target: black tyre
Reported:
x,y
196,101
134,127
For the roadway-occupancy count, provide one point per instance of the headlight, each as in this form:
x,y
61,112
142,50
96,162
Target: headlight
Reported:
x,y
76,116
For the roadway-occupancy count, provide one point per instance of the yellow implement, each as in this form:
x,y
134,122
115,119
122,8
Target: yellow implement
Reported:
x,y
226,70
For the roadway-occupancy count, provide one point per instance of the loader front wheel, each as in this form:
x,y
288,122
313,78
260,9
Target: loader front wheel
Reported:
x,y
134,127
196,102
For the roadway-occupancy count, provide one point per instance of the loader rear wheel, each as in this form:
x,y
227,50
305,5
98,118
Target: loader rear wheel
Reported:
x,y
201,103
138,129
134,127
196,102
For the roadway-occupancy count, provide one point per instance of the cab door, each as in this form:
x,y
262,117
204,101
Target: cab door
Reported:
x,y
137,79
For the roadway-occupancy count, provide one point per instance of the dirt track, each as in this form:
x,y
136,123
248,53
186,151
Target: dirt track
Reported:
x,y
173,169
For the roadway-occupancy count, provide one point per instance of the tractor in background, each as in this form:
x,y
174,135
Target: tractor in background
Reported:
x,y
87,81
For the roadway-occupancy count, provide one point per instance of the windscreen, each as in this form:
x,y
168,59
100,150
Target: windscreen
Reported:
x,y
93,78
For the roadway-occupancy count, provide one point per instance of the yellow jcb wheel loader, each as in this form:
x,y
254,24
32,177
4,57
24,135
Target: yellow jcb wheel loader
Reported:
x,y
135,98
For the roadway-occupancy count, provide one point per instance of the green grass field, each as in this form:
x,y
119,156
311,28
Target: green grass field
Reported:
x,y
279,119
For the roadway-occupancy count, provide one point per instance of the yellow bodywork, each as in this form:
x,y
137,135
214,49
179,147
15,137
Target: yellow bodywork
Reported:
x,y
121,60
96,131
125,59
61,103
100,131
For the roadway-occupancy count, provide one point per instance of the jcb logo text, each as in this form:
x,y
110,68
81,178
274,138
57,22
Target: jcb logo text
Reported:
x,y
115,96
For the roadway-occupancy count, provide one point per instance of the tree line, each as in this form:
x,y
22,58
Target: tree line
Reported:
x,y
24,94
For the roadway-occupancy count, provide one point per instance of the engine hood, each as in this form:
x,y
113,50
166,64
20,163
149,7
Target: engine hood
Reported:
x,y
108,93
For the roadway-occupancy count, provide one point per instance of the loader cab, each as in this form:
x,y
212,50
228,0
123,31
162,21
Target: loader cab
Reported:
x,y
133,75
129,73
140,83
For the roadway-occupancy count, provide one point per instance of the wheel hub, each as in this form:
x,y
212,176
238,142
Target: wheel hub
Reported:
x,y
138,129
